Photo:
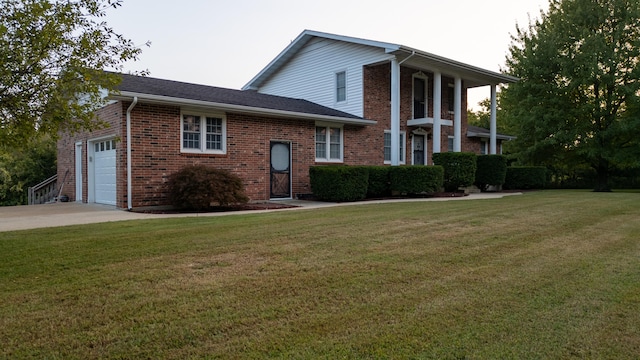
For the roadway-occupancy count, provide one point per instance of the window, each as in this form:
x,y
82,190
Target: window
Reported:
x,y
341,86
484,147
328,143
450,144
451,96
419,96
203,133
387,146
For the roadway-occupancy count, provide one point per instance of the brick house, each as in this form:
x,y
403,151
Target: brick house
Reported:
x,y
324,99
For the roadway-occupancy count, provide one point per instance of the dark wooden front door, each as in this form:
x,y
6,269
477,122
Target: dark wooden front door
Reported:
x,y
280,170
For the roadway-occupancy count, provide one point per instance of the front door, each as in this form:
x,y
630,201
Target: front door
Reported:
x,y
280,170
418,150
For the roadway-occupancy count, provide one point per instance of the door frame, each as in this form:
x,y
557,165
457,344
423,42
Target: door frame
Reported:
x,y
420,132
78,166
271,170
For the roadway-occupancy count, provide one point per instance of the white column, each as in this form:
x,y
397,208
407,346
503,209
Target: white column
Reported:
x,y
395,112
492,127
437,105
457,115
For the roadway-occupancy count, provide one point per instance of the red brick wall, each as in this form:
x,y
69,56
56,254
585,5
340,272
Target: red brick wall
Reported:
x,y
377,106
113,116
155,151
156,142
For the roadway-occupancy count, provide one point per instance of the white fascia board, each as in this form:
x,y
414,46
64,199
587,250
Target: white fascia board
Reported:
x,y
168,100
389,47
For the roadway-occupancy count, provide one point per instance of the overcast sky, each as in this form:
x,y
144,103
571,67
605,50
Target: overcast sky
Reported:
x,y
226,42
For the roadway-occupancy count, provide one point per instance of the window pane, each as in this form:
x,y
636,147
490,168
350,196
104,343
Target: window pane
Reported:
x,y
341,86
191,132
401,147
321,143
387,146
191,123
214,133
334,147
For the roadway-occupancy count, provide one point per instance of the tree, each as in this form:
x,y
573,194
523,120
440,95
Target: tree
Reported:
x,y
53,54
23,167
482,117
577,101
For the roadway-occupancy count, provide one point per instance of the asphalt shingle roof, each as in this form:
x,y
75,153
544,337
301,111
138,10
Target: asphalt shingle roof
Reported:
x,y
182,90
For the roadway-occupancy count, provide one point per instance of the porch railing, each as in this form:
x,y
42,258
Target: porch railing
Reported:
x,y
45,192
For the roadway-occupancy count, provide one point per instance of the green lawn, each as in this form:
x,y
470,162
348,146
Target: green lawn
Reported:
x,y
546,275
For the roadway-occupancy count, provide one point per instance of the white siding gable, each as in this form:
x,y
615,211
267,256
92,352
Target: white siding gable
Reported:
x,y
311,73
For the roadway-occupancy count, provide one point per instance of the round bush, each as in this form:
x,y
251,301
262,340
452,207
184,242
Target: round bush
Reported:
x,y
198,187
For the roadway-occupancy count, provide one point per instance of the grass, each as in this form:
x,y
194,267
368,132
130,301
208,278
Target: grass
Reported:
x,y
552,274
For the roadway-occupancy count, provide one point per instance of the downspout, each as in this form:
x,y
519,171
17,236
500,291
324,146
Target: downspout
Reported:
x,y
129,190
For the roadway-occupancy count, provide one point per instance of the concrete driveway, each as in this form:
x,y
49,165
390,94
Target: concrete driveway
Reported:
x,y
72,213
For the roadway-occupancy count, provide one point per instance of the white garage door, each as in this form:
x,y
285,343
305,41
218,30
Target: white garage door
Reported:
x,y
105,172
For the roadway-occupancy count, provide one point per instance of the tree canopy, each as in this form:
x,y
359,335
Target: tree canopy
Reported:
x,y
577,102
53,54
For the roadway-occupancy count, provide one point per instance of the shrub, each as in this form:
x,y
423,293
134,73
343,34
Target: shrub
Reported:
x,y
339,182
416,179
459,169
492,170
379,184
198,186
525,177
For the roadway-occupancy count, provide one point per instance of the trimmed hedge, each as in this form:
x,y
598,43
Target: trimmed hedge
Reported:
x,y
459,169
492,170
525,177
339,182
379,183
196,187
416,179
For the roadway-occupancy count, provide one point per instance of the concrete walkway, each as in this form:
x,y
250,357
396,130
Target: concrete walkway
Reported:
x,y
63,214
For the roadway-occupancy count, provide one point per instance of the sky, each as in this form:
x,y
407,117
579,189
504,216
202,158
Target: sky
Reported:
x,y
225,43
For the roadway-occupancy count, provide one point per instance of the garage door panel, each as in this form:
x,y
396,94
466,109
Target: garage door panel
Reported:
x,y
105,172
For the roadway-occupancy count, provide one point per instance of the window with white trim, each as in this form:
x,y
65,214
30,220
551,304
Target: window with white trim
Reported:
x,y
341,86
387,146
203,133
329,143
420,103
450,144
484,146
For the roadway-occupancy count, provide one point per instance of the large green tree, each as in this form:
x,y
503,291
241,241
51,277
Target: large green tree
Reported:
x,y
577,101
53,54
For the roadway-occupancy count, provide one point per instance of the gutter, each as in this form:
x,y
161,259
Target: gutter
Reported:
x,y
129,190
168,100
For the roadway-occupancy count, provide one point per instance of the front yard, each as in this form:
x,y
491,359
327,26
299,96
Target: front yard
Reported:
x,y
550,274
